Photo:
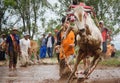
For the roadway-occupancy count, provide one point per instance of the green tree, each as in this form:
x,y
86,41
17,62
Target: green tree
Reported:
x,y
3,8
29,11
106,10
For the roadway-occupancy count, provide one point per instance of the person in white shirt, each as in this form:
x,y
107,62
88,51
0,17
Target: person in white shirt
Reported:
x,y
50,42
25,49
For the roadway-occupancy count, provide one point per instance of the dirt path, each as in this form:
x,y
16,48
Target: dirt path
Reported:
x,y
50,74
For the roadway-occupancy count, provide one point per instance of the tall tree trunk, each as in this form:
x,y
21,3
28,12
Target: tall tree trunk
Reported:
x,y
35,19
1,17
24,29
28,16
0,25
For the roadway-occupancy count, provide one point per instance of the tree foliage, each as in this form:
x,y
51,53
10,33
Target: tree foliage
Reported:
x,y
29,11
106,10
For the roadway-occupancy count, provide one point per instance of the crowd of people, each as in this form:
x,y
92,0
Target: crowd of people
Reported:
x,y
14,49
63,47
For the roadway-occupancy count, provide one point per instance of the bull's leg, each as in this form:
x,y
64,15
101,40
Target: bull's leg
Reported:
x,y
93,64
78,59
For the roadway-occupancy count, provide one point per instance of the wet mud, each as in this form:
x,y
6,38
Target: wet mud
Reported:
x,y
50,74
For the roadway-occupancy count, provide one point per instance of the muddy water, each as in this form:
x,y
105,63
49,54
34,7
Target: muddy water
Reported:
x,y
50,74
31,74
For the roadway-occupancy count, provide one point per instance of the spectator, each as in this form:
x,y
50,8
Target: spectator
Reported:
x,y
57,45
2,47
113,50
43,47
109,50
25,50
50,44
105,36
13,48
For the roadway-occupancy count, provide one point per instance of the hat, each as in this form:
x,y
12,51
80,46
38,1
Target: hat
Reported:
x,y
101,22
49,32
15,29
25,34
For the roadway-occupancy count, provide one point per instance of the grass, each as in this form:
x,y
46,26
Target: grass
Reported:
x,y
112,62
117,54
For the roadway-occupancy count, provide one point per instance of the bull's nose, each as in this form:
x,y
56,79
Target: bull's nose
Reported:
x,y
82,30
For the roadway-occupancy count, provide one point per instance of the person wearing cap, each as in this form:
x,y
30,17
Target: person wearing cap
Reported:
x,y
13,48
50,44
105,36
25,49
43,47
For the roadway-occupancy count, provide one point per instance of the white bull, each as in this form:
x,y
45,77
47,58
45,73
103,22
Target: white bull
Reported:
x,y
89,41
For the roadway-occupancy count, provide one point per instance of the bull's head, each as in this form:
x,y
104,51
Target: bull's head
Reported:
x,y
79,20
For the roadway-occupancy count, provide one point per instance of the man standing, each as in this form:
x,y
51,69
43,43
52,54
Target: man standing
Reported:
x,y
2,47
50,44
25,49
13,48
43,47
105,36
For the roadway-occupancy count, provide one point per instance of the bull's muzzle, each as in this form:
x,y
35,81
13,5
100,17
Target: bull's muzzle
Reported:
x,y
82,30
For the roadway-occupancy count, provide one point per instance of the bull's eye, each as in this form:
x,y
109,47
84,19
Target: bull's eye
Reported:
x,y
82,30
75,17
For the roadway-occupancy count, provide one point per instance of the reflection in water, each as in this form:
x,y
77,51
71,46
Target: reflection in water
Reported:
x,y
12,74
10,81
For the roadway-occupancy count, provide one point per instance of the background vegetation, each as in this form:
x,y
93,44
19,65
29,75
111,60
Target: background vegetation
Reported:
x,y
29,13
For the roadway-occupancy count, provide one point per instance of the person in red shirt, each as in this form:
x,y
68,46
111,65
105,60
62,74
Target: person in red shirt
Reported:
x,y
105,36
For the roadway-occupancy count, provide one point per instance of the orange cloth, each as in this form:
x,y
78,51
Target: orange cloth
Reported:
x,y
66,50
109,50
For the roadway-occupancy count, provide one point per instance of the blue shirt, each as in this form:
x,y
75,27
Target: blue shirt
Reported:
x,y
10,43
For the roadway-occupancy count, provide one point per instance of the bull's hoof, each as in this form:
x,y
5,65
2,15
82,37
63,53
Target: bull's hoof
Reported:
x,y
85,72
74,77
80,80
